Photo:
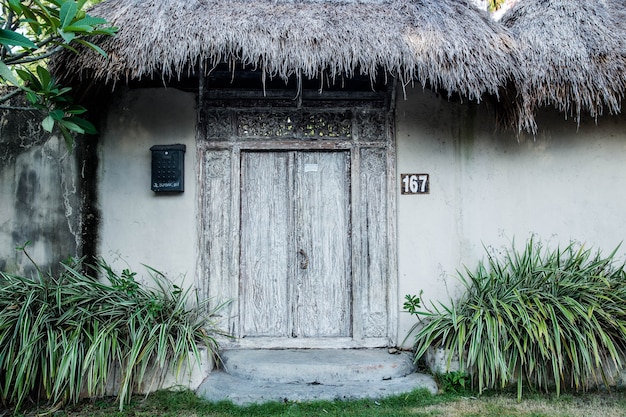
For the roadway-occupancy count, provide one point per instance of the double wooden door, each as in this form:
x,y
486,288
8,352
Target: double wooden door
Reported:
x,y
301,242
296,277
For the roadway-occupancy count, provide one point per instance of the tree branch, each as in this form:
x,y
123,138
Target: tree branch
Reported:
x,y
10,95
9,21
15,59
18,108
36,58
7,26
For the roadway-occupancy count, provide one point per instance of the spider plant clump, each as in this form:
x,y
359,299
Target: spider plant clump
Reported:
x,y
73,335
544,318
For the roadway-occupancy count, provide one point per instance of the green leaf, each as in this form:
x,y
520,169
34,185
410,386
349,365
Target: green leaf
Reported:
x,y
32,97
44,78
92,46
67,13
90,21
85,125
67,36
70,125
75,109
16,6
62,91
32,21
29,78
78,28
57,115
69,139
47,124
23,74
70,48
10,38
7,74
44,13
107,31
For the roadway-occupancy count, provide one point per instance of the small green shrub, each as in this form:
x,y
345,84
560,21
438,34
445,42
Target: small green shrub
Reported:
x,y
63,337
413,303
453,382
543,318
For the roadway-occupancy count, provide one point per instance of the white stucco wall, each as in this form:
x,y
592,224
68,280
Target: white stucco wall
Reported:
x,y
488,188
138,226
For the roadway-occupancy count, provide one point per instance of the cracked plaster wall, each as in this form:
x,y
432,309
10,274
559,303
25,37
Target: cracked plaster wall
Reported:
x,y
39,195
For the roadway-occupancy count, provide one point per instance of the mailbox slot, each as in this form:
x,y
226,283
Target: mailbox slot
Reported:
x,y
168,168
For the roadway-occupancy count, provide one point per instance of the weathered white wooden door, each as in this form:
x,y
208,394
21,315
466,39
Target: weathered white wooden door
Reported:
x,y
295,244
297,205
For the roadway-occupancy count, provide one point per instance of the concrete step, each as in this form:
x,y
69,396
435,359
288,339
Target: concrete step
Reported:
x,y
317,366
256,376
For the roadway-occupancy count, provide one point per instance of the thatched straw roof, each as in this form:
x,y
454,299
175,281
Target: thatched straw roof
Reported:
x,y
573,57
443,44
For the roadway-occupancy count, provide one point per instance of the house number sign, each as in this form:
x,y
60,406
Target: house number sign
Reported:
x,y
414,184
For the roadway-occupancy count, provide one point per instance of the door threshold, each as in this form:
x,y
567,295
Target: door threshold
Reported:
x,y
304,343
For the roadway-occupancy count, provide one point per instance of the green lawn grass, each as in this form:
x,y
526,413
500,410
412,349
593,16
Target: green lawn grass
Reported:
x,y
416,404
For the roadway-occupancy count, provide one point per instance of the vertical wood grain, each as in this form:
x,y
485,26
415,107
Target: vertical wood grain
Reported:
x,y
374,237
216,226
324,288
266,248
295,261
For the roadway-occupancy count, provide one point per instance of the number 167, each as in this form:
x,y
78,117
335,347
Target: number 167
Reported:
x,y
414,183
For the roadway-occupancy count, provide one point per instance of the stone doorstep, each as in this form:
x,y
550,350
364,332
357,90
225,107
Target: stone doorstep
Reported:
x,y
256,376
220,386
322,366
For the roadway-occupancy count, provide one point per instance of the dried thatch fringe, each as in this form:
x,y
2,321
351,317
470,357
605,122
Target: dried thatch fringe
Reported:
x,y
570,54
443,44
573,57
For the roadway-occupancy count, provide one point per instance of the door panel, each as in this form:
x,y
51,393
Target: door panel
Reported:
x,y
323,285
295,257
266,252
374,259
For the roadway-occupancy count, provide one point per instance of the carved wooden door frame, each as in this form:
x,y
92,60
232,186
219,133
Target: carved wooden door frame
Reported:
x,y
359,124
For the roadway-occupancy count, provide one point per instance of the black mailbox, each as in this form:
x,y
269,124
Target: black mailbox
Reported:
x,y
168,168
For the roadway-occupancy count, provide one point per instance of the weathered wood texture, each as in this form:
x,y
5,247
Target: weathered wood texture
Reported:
x,y
295,275
375,253
297,223
322,294
267,247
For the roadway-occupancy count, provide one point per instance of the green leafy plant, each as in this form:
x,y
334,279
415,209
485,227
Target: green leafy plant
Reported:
x,y
67,336
412,303
125,282
30,33
546,318
453,382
